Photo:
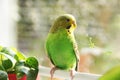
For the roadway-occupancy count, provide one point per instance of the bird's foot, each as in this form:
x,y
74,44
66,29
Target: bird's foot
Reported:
x,y
72,74
52,72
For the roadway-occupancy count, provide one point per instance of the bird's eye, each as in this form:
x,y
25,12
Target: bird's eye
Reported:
x,y
67,20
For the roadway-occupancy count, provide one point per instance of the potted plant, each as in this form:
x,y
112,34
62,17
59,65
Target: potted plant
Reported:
x,y
15,66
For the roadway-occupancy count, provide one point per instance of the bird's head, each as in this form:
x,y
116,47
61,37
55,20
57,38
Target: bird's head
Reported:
x,y
66,22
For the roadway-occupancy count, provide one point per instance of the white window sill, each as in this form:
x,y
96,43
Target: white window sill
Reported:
x,y
45,71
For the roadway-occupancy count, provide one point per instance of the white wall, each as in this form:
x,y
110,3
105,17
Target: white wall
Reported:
x,y
8,16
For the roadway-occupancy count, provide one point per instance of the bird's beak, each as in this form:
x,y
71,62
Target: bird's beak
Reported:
x,y
74,23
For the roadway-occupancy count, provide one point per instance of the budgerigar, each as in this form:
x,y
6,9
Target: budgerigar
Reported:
x,y
61,45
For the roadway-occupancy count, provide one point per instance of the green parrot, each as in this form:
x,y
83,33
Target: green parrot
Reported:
x,y
112,74
61,45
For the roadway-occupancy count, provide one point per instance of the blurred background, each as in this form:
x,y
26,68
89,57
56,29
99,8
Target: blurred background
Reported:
x,y
24,24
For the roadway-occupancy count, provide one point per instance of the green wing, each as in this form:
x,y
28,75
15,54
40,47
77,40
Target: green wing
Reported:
x,y
77,56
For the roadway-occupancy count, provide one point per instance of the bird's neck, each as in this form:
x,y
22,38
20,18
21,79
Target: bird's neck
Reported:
x,y
66,33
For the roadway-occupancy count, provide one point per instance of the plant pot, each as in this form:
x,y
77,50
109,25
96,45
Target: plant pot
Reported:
x,y
14,77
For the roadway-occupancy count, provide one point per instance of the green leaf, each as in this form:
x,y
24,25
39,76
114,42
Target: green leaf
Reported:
x,y
8,51
21,71
19,63
2,68
14,53
8,63
3,75
32,62
112,74
30,75
20,55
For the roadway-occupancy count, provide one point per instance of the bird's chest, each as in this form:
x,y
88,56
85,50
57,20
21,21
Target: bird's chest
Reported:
x,y
61,51
62,43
